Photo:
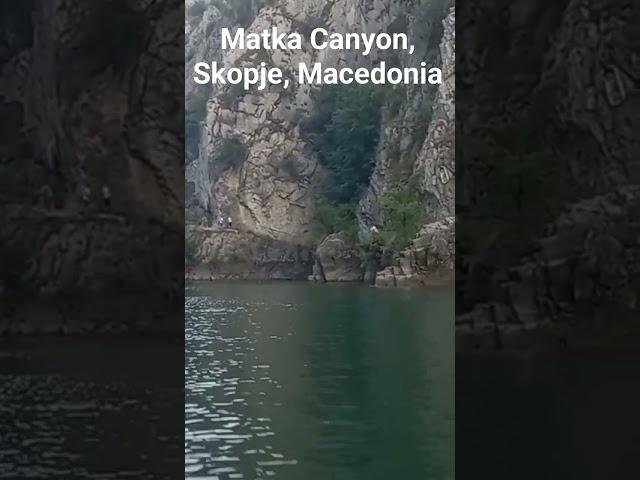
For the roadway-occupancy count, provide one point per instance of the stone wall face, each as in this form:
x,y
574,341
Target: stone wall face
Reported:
x,y
253,163
91,112
435,163
575,89
269,187
232,255
430,258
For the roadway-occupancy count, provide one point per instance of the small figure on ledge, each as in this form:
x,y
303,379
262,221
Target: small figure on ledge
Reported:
x,y
106,197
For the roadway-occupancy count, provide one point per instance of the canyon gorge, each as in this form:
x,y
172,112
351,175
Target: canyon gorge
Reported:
x,y
254,156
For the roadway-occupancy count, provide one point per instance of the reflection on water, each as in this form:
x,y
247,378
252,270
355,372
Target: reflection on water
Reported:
x,y
303,382
556,417
78,408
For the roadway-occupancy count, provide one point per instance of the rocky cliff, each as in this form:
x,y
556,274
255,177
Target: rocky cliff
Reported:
x,y
430,257
253,161
91,174
565,114
232,255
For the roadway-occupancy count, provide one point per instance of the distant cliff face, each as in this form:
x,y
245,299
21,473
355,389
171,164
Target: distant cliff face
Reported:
x,y
252,161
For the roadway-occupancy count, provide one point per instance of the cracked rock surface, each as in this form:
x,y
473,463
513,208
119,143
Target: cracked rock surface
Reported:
x,y
92,117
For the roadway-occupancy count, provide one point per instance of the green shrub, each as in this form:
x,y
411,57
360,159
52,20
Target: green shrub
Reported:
x,y
196,106
191,216
344,131
230,97
191,254
330,217
403,213
195,113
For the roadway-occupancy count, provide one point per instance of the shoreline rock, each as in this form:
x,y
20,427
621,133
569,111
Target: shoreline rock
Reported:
x,y
428,261
337,260
579,279
230,254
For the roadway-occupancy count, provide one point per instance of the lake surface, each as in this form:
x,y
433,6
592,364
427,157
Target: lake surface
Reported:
x,y
308,382
556,417
74,407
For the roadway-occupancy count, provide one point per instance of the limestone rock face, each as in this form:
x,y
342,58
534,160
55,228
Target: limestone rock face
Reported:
x,y
76,127
337,260
435,165
231,254
582,275
410,145
267,183
88,113
580,89
253,164
428,261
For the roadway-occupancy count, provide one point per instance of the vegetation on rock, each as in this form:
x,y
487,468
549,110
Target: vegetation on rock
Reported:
x,y
344,132
191,255
403,216
330,217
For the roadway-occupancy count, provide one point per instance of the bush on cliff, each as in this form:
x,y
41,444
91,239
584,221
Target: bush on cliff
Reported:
x,y
344,131
330,217
403,214
191,255
195,113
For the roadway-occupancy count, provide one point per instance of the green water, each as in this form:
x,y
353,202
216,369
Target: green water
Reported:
x,y
558,417
306,382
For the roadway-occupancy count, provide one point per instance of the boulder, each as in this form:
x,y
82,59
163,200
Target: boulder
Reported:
x,y
229,254
429,260
338,259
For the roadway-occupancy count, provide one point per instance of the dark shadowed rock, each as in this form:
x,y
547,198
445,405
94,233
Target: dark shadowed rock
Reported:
x,y
90,112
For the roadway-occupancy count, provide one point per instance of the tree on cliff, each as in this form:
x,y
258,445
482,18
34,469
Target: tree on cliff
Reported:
x,y
344,131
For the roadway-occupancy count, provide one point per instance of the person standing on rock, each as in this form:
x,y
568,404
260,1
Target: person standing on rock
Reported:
x,y
229,222
221,221
106,197
85,195
44,198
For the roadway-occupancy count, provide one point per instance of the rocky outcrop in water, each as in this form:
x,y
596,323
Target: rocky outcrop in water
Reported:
x,y
428,261
337,260
575,99
584,274
229,254
430,258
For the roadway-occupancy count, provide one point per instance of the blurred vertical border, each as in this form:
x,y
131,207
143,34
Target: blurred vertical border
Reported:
x,y
547,220
91,239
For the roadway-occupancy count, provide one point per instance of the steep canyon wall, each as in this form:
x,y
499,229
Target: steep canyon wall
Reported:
x,y
91,170
251,160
